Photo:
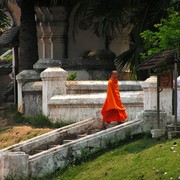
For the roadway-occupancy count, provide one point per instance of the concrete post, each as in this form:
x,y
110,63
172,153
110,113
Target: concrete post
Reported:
x,y
150,96
14,164
22,78
150,119
150,93
54,83
178,100
150,116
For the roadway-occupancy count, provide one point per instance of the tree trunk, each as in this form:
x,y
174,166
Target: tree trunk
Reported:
x,y
28,36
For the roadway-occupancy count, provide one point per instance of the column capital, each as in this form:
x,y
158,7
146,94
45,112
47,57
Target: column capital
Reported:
x,y
27,76
54,73
151,82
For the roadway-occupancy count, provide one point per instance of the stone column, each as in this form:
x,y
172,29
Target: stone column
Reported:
x,y
51,31
150,93
54,83
178,100
22,78
15,164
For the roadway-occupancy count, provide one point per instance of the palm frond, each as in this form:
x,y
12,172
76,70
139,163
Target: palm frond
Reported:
x,y
4,20
126,58
105,17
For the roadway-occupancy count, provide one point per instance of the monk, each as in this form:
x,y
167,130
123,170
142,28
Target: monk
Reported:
x,y
113,109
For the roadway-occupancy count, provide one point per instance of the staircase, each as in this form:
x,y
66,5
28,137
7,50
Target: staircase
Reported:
x,y
64,139
62,146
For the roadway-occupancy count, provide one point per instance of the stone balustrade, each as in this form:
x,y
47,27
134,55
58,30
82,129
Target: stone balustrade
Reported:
x,y
87,97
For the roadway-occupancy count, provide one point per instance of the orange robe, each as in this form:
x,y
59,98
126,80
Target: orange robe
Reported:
x,y
113,109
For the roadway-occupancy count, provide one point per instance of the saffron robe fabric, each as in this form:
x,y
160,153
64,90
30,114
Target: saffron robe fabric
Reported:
x,y
113,109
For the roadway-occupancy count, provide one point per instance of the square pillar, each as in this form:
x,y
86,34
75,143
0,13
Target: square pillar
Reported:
x,y
150,96
15,164
54,83
22,78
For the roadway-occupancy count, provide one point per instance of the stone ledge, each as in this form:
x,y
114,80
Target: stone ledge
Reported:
x,y
102,85
96,98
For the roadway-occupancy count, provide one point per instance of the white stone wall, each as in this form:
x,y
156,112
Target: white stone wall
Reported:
x,y
60,106
81,106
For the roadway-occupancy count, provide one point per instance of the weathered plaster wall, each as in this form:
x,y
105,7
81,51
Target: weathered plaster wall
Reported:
x,y
78,107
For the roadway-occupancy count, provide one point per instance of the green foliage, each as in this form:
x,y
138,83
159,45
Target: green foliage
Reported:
x,y
61,124
19,118
4,20
72,76
39,120
9,177
166,36
7,58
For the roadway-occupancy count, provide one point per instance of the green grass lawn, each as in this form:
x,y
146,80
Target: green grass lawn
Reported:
x,y
140,159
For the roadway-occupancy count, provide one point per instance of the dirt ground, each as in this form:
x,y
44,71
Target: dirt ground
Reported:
x,y
12,134
15,134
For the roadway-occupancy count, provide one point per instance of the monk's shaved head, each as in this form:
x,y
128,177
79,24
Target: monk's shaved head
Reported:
x,y
114,71
115,74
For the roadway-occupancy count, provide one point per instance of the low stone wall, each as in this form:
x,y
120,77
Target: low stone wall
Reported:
x,y
81,106
87,91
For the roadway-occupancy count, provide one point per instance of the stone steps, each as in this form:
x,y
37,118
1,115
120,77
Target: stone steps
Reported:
x,y
64,141
70,138
81,135
59,147
53,146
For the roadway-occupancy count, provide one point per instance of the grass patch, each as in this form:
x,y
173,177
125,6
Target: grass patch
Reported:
x,y
41,121
140,159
